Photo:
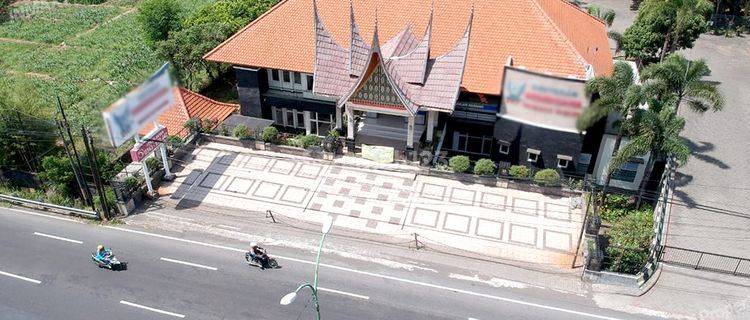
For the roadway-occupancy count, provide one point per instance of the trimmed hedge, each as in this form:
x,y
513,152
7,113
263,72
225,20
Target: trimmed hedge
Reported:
x,y
459,163
484,167
519,171
242,132
547,177
270,134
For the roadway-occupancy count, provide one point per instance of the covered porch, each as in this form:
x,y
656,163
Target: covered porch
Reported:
x,y
389,127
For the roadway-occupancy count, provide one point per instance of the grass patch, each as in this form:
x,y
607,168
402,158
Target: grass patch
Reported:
x,y
94,69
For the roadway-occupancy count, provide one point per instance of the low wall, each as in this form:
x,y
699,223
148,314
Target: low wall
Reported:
x,y
502,182
316,153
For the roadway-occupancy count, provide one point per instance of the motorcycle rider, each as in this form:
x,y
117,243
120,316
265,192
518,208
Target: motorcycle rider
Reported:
x,y
257,253
102,254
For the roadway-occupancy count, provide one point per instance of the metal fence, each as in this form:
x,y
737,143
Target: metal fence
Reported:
x,y
86,213
700,260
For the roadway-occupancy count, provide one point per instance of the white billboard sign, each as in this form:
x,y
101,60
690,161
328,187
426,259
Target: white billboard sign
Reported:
x,y
139,107
543,100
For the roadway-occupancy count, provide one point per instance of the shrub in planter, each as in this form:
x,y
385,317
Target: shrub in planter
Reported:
x,y
223,130
309,141
153,164
459,163
242,132
629,240
270,134
174,142
547,177
484,167
519,171
207,125
192,124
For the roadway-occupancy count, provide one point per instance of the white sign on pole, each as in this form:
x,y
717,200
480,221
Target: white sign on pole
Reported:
x,y
139,107
543,100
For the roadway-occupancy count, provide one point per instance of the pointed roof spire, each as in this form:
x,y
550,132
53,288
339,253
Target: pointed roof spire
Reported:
x,y
358,49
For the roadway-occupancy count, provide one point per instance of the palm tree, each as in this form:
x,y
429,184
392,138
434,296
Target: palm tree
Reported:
x,y
684,78
654,130
607,16
618,94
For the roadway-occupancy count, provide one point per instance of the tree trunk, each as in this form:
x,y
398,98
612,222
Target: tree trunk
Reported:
x,y
666,45
644,181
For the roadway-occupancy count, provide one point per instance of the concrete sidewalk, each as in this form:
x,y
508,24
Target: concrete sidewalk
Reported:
x,y
383,199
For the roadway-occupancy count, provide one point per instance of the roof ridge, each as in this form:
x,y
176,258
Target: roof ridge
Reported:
x,y
567,40
259,18
584,11
202,97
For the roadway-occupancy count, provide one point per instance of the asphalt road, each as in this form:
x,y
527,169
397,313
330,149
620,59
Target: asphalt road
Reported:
x,y
46,273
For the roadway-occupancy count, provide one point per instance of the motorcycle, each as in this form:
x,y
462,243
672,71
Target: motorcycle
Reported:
x,y
112,263
254,262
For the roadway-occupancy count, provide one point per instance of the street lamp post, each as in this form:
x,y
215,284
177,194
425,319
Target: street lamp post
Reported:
x,y
290,297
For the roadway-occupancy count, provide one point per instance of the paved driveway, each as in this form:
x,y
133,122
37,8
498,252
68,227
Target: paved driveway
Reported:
x,y
494,221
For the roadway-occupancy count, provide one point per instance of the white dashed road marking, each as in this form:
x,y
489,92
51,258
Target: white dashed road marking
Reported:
x,y
20,277
344,293
188,263
152,309
57,238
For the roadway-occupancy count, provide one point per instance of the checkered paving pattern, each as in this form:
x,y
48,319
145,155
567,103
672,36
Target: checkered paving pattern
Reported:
x,y
503,222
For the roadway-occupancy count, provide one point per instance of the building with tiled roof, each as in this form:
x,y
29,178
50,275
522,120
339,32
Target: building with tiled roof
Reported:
x,y
389,72
190,105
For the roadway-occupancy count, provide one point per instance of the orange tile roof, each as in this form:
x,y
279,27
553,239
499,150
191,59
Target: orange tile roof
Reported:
x,y
549,36
188,105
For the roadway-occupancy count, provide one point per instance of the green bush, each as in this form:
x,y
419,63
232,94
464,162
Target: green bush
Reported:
x,y
618,206
547,177
484,167
153,164
58,174
333,133
242,132
310,140
519,171
270,134
236,13
158,18
629,241
174,142
4,10
459,163
192,124
207,125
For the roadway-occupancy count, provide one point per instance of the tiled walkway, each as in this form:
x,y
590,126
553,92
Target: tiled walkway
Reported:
x,y
490,220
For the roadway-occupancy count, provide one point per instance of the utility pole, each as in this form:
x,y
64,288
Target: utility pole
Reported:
x,y
95,172
76,170
85,189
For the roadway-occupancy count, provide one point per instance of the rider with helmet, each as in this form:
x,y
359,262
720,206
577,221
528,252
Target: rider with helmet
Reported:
x,y
257,253
102,254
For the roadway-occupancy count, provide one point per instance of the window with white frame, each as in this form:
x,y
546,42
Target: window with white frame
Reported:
x,y
289,117
533,155
275,75
464,142
563,161
504,147
297,78
320,123
287,76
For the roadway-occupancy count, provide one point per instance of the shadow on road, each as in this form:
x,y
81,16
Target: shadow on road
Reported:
x,y
699,152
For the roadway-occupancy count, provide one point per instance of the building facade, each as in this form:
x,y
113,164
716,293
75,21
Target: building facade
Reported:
x,y
489,79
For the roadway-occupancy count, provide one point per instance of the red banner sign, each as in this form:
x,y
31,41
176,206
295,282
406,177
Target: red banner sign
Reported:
x,y
143,149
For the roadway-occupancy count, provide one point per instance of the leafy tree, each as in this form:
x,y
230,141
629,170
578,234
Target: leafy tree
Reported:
x,y
185,49
58,174
484,167
158,18
684,78
617,94
25,134
663,26
235,13
459,163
